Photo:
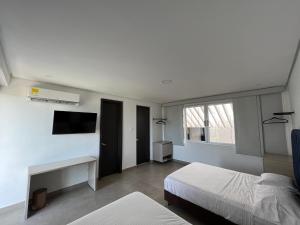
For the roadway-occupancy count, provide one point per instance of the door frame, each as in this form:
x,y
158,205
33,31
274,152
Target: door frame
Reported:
x,y
149,134
120,135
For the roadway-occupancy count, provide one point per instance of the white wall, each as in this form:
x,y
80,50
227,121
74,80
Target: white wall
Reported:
x,y
286,105
25,137
218,155
275,141
294,93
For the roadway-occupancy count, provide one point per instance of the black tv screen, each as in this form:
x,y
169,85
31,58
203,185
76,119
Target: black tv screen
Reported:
x,y
74,122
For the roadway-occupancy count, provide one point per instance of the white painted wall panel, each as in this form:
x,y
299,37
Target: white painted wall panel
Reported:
x,y
274,134
248,126
286,105
174,127
294,92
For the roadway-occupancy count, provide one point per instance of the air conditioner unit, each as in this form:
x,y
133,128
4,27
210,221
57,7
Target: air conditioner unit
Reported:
x,y
51,96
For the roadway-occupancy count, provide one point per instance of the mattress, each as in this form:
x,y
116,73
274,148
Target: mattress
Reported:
x,y
133,209
227,193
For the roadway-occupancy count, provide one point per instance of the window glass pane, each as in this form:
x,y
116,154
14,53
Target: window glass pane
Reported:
x,y
221,123
195,128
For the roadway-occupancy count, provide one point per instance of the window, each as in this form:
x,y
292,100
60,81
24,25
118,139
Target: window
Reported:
x,y
195,123
212,123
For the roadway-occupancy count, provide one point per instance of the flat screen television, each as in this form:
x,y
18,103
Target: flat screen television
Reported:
x,y
65,122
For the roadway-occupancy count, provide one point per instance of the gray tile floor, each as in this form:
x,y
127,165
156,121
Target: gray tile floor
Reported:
x,y
147,178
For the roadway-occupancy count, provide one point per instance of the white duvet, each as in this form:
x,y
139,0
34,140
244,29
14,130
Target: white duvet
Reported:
x,y
133,209
277,204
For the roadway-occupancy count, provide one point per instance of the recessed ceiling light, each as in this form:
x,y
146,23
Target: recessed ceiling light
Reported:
x,y
166,81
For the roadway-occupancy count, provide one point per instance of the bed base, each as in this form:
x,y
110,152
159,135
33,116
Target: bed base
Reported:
x,y
197,211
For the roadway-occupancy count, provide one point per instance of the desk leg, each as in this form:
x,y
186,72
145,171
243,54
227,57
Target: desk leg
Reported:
x,y
92,175
27,198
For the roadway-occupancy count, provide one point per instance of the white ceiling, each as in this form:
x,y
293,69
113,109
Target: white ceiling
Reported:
x,y
127,47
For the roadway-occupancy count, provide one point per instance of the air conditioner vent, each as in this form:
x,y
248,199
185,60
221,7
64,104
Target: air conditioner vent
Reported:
x,y
51,96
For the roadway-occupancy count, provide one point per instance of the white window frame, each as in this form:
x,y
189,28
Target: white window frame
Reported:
x,y
206,128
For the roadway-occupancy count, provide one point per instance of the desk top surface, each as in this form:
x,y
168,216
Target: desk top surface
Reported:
x,y
38,169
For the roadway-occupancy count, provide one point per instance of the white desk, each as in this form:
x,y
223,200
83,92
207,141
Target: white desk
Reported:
x,y
45,168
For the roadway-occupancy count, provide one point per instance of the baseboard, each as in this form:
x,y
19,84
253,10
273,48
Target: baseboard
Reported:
x,y
172,160
50,196
181,162
53,194
129,168
13,207
135,166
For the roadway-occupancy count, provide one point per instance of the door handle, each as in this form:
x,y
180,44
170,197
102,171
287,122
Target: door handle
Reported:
x,y
137,139
103,144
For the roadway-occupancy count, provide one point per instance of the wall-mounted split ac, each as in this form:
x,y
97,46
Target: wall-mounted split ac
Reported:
x,y
51,96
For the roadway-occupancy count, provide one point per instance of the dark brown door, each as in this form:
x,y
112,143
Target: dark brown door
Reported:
x,y
110,137
142,134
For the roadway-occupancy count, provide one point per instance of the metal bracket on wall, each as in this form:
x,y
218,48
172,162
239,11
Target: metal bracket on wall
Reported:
x,y
275,119
160,121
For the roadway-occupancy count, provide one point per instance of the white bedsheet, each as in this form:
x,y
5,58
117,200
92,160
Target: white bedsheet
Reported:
x,y
133,209
227,193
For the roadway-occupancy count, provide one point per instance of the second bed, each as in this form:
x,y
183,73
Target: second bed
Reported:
x,y
241,198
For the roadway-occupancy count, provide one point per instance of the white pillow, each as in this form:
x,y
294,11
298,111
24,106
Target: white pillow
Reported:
x,y
275,180
278,205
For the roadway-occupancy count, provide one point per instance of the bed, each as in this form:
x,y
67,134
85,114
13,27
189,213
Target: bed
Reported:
x,y
245,199
133,209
